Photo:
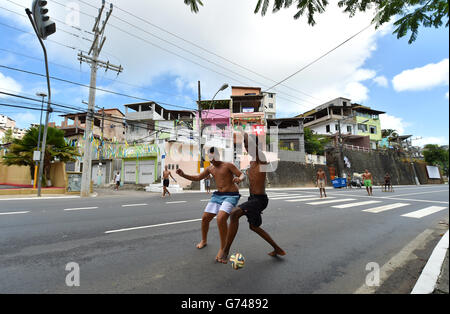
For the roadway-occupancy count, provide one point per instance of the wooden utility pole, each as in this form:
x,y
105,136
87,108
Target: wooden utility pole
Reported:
x,y
92,59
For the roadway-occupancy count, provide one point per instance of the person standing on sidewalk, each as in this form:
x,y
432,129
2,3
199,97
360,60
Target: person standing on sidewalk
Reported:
x,y
117,181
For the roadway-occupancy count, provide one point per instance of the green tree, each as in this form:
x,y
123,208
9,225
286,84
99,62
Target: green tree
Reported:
x,y
8,138
20,153
391,135
411,13
315,143
437,156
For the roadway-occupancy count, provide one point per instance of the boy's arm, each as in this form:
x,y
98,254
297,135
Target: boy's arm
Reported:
x,y
239,175
170,174
199,177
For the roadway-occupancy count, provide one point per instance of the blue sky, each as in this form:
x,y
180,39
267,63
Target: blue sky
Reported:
x,y
376,69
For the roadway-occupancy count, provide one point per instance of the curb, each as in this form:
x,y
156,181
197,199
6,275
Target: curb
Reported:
x,y
430,274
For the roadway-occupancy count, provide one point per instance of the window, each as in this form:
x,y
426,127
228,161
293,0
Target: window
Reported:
x,y
362,127
337,111
271,106
345,104
373,130
270,95
336,127
349,128
250,94
328,129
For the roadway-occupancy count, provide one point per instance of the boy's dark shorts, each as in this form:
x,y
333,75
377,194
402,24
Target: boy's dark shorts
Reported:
x,y
166,183
253,208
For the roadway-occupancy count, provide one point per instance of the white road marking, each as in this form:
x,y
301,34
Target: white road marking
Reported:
x,y
424,212
332,201
419,193
177,202
80,208
134,205
430,274
288,197
205,200
396,262
37,198
152,226
14,213
355,204
307,199
385,208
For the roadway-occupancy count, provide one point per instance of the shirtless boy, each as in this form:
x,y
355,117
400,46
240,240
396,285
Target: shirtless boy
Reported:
x,y
256,203
227,178
166,174
321,181
368,181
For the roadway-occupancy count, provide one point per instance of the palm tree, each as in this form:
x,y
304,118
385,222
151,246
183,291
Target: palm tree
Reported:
x,y
391,135
20,153
193,4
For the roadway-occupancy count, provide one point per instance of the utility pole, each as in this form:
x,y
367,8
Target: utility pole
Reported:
x,y
200,127
92,59
411,161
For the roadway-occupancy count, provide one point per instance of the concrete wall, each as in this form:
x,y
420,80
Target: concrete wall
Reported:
x,y
379,162
15,175
20,175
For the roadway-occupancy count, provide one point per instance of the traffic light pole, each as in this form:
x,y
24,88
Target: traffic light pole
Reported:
x,y
49,108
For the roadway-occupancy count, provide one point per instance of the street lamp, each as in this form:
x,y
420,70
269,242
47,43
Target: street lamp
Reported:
x,y
43,95
222,88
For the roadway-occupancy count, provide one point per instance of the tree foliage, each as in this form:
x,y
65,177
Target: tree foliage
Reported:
x,y
315,143
437,156
411,14
20,153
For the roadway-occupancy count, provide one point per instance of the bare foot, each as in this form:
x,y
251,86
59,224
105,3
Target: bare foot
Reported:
x,y
219,256
277,252
201,245
224,258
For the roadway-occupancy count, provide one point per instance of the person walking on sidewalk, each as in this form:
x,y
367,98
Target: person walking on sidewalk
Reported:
x,y
321,180
166,175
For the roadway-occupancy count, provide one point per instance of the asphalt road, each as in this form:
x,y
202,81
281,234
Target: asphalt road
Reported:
x,y
136,242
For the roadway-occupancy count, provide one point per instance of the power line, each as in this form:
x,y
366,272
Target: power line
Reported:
x,y
188,51
202,48
322,56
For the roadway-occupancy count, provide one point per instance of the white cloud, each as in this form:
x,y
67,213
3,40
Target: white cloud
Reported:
x,y
430,140
395,123
356,91
381,81
24,120
8,84
426,77
230,29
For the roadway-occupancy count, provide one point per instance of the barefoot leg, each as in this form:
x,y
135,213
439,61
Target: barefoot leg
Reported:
x,y
206,219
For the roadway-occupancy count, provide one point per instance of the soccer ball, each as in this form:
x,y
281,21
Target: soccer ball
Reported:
x,y
237,260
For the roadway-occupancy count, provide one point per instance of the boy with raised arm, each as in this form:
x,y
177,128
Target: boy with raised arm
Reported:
x,y
227,178
256,203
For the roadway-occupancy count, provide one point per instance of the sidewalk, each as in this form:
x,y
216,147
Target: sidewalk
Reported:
x,y
442,283
434,276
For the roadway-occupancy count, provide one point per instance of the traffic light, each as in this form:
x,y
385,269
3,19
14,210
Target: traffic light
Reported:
x,y
45,27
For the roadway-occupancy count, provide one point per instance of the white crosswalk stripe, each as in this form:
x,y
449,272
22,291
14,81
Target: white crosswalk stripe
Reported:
x,y
424,212
332,201
355,204
306,199
288,197
385,208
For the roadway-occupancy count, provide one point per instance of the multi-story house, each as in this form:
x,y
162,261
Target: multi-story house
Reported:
x,y
107,127
6,122
356,125
153,126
